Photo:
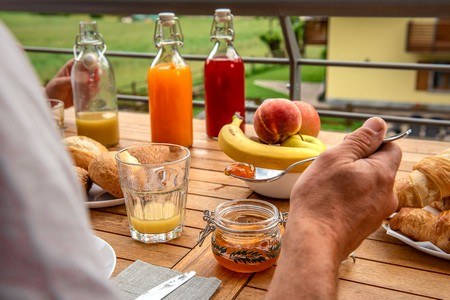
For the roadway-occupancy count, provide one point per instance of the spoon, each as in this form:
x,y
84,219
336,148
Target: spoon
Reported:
x,y
269,175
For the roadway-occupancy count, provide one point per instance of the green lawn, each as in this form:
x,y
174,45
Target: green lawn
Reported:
x,y
60,30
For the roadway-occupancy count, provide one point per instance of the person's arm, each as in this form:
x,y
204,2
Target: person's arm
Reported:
x,y
60,87
308,265
337,202
47,247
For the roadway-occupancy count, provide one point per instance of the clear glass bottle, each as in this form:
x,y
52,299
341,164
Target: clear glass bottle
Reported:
x,y
224,76
245,234
94,89
170,86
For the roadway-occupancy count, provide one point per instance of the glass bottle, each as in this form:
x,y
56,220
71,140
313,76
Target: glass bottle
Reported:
x,y
93,85
246,234
170,86
223,76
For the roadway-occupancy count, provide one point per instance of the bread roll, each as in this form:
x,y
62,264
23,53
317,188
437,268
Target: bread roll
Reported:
x,y
152,155
83,149
103,171
83,177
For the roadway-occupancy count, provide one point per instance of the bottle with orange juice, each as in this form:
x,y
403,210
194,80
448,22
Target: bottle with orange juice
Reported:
x,y
94,90
170,86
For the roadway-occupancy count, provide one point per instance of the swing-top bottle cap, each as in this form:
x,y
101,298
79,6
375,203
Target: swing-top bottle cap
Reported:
x,y
88,30
166,17
223,14
89,34
88,26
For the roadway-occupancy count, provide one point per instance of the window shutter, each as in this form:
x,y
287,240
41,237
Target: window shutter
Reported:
x,y
422,80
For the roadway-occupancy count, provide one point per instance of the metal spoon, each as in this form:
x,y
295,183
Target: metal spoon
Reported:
x,y
269,175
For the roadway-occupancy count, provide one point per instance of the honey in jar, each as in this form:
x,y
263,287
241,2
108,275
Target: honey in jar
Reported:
x,y
246,234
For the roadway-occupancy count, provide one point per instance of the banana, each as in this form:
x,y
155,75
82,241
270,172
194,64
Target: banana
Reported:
x,y
304,141
239,147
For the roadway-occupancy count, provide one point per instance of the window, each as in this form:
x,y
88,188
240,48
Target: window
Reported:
x,y
441,81
433,80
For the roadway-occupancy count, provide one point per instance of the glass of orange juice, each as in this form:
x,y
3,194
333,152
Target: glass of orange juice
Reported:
x,y
154,181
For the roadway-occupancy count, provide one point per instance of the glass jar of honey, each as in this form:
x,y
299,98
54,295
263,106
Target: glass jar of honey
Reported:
x,y
245,234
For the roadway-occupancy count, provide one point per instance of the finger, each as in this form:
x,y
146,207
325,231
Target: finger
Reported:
x,y
69,65
65,70
64,82
365,140
389,155
387,161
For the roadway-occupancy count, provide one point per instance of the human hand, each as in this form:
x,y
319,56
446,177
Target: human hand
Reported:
x,y
60,87
349,189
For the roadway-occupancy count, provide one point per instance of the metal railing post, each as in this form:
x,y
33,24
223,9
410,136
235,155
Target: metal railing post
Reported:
x,y
293,51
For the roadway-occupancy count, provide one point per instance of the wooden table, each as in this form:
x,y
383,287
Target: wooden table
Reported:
x,y
385,268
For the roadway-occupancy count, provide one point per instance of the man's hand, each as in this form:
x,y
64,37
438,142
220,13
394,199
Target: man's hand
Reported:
x,y
60,87
339,200
350,187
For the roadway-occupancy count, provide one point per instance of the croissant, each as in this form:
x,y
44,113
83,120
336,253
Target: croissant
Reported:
x,y
443,204
428,182
421,225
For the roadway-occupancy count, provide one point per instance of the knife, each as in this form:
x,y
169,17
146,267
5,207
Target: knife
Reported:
x,y
165,288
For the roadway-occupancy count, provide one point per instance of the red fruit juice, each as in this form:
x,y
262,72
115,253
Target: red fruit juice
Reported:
x,y
224,93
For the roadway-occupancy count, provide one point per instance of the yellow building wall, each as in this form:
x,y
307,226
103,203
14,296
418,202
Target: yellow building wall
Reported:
x,y
376,40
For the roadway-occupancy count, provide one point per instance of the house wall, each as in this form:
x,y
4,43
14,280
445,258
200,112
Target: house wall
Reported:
x,y
376,40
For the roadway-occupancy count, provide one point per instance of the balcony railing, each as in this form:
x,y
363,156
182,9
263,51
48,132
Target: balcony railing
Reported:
x,y
280,8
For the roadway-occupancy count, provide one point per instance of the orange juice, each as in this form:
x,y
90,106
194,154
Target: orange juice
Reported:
x,y
155,218
170,103
102,126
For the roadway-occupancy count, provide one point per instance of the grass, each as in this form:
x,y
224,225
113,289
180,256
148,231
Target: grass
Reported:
x,y
59,31
339,124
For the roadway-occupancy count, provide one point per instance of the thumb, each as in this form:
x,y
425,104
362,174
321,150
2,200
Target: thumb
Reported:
x,y
365,140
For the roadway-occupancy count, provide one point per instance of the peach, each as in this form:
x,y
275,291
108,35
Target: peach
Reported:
x,y
276,119
310,119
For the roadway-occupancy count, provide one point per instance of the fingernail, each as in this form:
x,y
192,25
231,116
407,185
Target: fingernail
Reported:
x,y
375,123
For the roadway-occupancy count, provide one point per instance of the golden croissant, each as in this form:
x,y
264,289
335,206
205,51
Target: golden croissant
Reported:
x,y
421,225
428,183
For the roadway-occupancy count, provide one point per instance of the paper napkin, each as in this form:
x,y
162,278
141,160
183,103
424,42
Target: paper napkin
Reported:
x,y
139,277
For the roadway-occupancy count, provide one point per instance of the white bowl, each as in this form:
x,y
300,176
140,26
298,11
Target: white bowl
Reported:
x,y
280,188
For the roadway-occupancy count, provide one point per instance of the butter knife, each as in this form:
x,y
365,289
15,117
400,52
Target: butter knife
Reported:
x,y
165,288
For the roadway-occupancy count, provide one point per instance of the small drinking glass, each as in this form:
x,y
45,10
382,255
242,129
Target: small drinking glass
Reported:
x,y
154,181
57,109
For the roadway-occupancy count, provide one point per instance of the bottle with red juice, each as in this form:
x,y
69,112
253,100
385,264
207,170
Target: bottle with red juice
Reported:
x,y
224,76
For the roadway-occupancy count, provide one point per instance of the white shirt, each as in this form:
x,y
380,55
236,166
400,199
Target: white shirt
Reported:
x,y
46,246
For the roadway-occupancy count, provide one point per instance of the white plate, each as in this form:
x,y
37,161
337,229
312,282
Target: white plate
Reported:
x,y
98,198
108,255
426,247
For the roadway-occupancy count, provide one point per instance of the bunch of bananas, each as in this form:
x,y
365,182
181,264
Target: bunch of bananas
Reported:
x,y
234,143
